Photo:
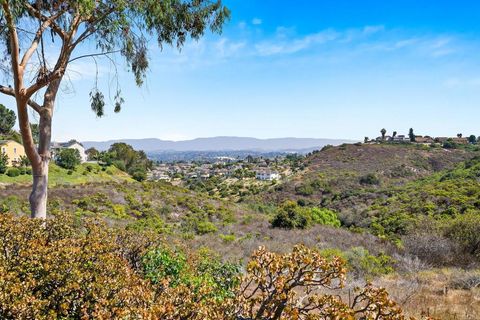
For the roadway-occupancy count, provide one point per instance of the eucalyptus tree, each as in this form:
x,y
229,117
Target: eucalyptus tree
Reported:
x,y
125,28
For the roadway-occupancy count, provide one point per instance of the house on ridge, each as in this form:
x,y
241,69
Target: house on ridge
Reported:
x,y
55,147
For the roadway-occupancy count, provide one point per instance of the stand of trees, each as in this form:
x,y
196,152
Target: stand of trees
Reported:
x,y
125,158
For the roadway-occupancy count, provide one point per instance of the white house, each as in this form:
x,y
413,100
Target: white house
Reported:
x,y
72,144
401,138
267,175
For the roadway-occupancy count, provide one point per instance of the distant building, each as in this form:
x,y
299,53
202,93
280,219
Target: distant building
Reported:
x,y
267,175
13,150
460,140
72,144
401,138
453,139
424,140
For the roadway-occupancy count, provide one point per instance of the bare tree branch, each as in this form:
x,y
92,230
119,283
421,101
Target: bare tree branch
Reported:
x,y
94,55
28,54
36,13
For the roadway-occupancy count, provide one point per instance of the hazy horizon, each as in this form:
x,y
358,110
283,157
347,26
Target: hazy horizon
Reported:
x,y
212,137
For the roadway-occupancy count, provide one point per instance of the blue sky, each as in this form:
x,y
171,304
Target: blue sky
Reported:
x,y
324,69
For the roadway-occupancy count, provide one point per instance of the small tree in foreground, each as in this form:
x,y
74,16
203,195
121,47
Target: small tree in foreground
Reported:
x,y
117,27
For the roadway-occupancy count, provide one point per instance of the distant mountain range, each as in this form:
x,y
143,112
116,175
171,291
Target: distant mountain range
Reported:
x,y
221,144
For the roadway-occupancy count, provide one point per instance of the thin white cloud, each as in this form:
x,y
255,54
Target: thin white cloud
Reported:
x,y
373,29
86,70
289,46
257,21
367,40
227,48
462,83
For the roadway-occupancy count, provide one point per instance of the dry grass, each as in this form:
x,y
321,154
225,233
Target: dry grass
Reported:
x,y
429,293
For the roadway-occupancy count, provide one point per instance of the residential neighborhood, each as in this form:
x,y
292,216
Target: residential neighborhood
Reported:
x,y
261,170
419,139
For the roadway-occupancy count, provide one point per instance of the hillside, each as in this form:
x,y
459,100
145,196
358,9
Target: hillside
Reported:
x,y
352,170
84,173
406,215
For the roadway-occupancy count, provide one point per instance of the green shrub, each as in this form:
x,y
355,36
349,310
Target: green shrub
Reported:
x,y
155,224
68,158
369,179
204,227
364,264
22,170
450,144
119,164
304,190
161,263
325,216
465,229
13,172
205,270
361,263
139,175
3,162
291,216
228,237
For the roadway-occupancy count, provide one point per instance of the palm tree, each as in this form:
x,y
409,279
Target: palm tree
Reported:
x,y
383,132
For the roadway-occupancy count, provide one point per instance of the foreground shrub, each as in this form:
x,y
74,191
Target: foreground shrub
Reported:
x,y
52,272
292,286
58,269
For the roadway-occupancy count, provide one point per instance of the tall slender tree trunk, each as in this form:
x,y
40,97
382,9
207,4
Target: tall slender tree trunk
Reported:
x,y
39,195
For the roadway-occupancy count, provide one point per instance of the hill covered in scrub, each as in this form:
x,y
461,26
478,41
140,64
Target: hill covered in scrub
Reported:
x,y
354,168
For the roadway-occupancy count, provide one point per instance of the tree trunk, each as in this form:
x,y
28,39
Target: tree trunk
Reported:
x,y
38,197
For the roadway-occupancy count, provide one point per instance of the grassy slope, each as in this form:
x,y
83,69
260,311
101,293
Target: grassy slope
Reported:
x,y
59,176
